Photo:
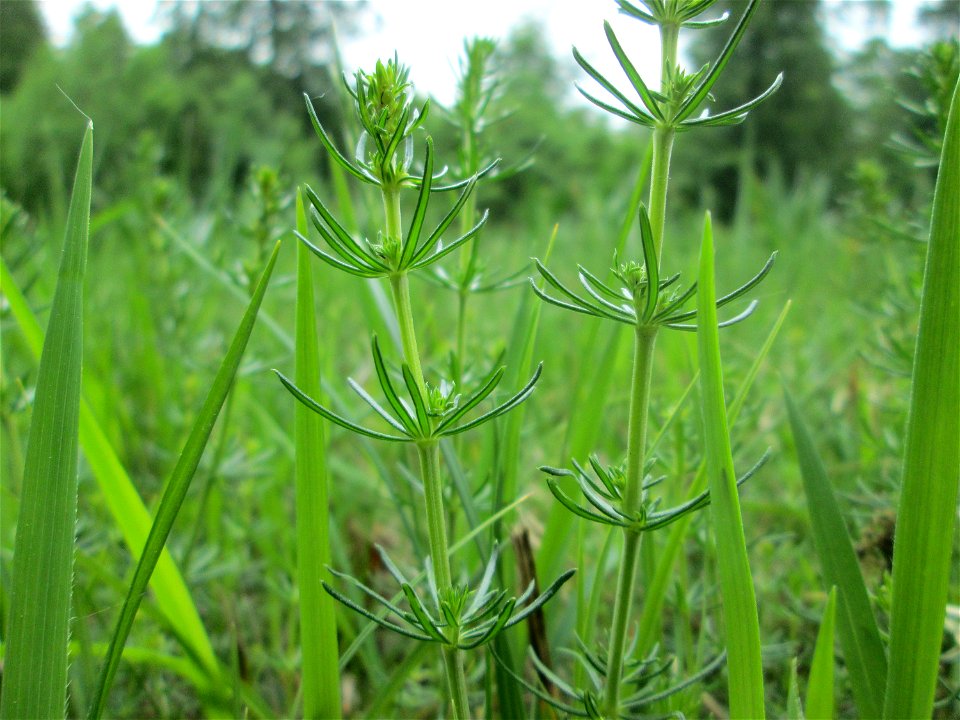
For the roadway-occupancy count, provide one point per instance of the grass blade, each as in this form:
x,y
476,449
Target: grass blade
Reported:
x,y
656,590
177,486
794,707
931,465
742,627
35,661
318,622
123,501
863,650
820,686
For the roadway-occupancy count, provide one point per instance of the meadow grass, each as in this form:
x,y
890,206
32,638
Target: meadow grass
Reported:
x,y
316,558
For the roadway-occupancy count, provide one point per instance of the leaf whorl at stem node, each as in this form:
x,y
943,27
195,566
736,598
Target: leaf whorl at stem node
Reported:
x,y
605,496
641,299
390,256
422,418
645,675
684,92
458,617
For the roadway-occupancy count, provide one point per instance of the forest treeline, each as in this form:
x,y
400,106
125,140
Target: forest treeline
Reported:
x,y
219,94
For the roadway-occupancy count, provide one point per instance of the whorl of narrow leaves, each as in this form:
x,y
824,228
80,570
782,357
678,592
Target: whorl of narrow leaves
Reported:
x,y
683,93
35,661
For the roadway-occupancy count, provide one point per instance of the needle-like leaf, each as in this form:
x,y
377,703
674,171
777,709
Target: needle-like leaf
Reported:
x,y
631,72
703,89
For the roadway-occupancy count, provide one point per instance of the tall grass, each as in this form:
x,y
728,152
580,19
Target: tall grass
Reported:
x,y
742,625
35,659
353,559
931,465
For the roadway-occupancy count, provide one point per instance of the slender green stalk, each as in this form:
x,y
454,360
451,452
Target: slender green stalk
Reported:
x,y
429,455
663,137
640,397
468,259
660,178
400,285
636,445
318,621
35,670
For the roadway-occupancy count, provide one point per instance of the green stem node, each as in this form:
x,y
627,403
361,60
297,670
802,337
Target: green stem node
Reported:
x,y
636,444
429,453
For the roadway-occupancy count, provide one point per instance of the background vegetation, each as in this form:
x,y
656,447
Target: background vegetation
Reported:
x,y
201,142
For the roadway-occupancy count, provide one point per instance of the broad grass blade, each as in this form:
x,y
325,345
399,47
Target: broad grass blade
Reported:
x,y
656,590
177,486
820,702
931,464
318,622
35,660
863,649
741,622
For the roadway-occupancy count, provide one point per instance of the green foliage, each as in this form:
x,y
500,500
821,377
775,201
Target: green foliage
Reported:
x,y
931,464
318,620
35,659
745,670
21,33
199,138
805,125
176,489
859,636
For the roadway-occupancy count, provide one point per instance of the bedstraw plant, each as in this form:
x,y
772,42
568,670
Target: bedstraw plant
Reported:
x,y
641,295
452,615
430,397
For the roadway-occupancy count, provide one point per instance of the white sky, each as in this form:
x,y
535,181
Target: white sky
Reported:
x,y
428,34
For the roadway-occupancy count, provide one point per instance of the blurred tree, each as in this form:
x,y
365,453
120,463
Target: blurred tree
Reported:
x,y
21,32
295,40
805,125
212,110
940,19
291,43
577,157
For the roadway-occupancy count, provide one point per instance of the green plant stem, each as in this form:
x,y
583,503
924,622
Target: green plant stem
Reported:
x,y
645,340
468,260
400,284
636,444
663,137
669,36
429,454
461,347
662,150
